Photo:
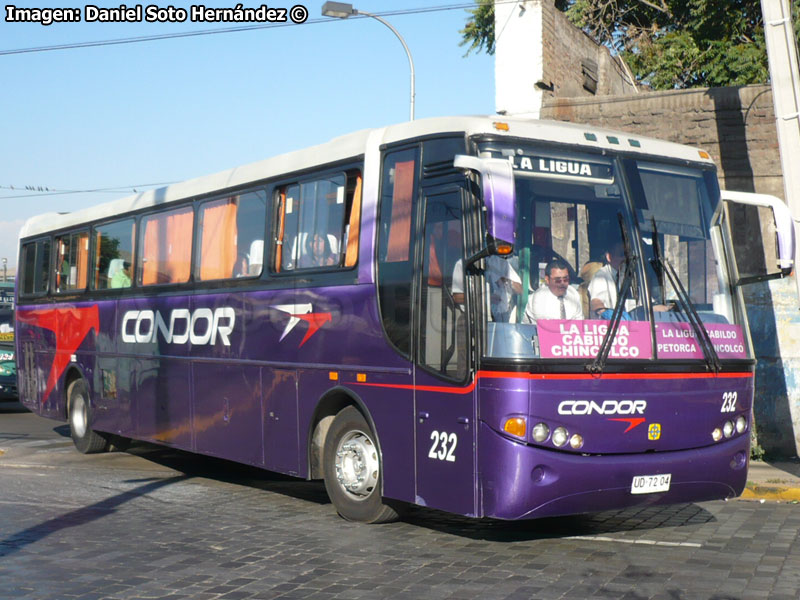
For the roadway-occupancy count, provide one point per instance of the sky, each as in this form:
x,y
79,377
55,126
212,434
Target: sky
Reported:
x,y
140,115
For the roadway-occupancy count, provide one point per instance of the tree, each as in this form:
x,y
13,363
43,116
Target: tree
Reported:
x,y
667,43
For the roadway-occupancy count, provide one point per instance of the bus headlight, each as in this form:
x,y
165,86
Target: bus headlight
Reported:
x,y
540,432
716,435
560,436
576,441
741,424
727,428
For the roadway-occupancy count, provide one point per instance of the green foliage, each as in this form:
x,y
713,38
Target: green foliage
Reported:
x,y
756,451
479,31
667,43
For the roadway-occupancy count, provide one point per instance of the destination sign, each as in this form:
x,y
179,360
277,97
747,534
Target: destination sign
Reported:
x,y
679,340
567,168
582,339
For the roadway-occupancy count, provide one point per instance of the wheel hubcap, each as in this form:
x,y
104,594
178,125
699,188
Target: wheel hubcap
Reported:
x,y
79,417
357,465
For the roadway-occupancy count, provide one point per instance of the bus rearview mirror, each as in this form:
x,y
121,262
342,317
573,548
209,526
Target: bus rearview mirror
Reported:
x,y
499,195
783,227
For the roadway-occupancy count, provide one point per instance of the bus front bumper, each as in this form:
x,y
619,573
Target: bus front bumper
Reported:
x,y
520,481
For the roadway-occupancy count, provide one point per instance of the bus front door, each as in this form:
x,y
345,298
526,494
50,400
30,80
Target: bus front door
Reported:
x,y
444,400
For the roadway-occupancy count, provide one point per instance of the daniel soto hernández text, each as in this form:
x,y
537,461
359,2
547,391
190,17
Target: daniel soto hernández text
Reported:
x,y
153,13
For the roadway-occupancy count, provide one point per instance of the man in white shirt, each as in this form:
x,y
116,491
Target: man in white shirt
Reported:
x,y
503,284
556,299
603,286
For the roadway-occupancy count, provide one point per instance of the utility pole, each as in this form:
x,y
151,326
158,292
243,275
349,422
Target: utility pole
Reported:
x,y
785,78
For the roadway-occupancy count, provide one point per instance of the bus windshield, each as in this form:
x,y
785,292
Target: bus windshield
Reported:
x,y
593,232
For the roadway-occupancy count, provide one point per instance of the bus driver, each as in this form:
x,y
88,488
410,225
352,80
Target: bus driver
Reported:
x,y
556,299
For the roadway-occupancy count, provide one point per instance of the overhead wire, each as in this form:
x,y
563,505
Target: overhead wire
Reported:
x,y
240,28
45,191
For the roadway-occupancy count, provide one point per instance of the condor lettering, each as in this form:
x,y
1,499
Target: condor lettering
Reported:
x,y
606,407
201,327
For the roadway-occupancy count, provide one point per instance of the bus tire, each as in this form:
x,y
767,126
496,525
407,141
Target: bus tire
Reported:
x,y
85,440
352,470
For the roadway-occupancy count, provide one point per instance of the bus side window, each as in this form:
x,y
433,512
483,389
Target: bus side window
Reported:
x,y
317,223
395,243
113,254
166,243
72,261
231,234
36,267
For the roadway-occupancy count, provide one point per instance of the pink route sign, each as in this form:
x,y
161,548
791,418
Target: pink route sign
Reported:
x,y
581,339
679,340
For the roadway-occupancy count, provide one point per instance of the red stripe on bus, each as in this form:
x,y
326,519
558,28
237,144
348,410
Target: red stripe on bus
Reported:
x,y
550,376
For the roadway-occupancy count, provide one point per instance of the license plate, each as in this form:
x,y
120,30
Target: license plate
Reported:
x,y
650,484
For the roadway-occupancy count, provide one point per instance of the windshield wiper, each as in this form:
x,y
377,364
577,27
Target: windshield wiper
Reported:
x,y
665,267
656,263
599,362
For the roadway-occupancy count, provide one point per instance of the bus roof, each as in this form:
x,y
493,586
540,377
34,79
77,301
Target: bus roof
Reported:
x,y
353,145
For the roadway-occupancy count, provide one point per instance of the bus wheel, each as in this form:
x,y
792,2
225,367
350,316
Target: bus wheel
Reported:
x,y
352,470
85,440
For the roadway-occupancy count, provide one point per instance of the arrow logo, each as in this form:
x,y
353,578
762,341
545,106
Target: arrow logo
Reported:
x,y
632,422
302,312
71,326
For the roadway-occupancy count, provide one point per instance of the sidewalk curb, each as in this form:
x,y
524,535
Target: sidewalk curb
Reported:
x,y
771,492
776,481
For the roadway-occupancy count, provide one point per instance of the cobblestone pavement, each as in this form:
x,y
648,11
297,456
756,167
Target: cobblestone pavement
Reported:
x,y
152,523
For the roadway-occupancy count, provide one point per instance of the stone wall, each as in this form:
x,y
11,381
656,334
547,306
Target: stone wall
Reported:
x,y
565,47
736,125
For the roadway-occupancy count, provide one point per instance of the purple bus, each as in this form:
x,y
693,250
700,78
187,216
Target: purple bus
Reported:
x,y
511,319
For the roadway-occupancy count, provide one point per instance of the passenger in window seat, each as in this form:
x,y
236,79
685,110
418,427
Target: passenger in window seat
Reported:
x,y
122,278
318,252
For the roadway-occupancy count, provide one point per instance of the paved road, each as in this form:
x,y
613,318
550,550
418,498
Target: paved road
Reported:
x,y
153,523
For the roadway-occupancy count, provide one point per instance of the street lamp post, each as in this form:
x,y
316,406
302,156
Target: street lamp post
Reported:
x,y
340,10
5,270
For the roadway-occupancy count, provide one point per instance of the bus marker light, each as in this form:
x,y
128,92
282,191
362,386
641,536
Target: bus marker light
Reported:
x,y
540,432
500,126
728,428
560,436
361,377
704,154
515,426
741,424
716,435
333,376
576,441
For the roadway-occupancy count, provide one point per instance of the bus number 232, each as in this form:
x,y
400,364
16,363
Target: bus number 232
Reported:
x,y
729,401
444,446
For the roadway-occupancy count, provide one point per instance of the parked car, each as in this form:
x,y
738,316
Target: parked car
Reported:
x,y
8,366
